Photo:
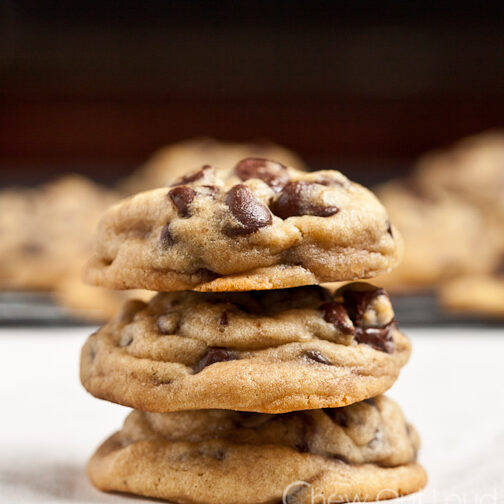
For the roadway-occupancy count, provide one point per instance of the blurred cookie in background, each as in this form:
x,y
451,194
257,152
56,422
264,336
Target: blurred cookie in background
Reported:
x,y
172,161
471,169
481,295
93,304
443,238
450,211
45,232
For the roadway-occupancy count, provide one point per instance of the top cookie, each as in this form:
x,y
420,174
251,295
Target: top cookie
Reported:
x,y
259,226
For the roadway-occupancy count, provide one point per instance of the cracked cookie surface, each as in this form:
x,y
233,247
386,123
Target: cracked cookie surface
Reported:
x,y
259,226
265,351
364,451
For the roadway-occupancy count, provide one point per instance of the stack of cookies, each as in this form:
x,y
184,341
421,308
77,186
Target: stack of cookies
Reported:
x,y
250,383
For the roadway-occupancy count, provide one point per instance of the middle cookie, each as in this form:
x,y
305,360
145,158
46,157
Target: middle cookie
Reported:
x,y
265,351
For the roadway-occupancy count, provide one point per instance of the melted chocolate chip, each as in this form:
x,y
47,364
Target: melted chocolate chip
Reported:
x,y
389,228
192,177
379,338
273,173
247,210
294,201
182,197
166,239
212,356
357,301
336,313
337,415
316,356
223,319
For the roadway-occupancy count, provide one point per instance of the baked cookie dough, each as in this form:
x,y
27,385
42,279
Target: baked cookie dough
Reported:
x,y
261,226
363,452
264,351
175,160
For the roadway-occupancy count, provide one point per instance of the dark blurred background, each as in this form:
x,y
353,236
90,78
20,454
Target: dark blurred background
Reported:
x,y
361,86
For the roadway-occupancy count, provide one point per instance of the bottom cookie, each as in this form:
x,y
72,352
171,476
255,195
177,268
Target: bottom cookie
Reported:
x,y
361,452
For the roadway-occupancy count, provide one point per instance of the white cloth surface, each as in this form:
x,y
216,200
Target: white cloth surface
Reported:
x,y
452,391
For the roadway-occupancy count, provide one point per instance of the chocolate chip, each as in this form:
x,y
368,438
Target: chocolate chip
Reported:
x,y
389,228
336,313
223,319
379,338
358,300
166,239
294,201
182,197
273,173
187,179
214,355
247,210
337,415
316,356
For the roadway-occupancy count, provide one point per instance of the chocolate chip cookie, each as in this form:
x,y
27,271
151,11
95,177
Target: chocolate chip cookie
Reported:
x,y
264,351
472,169
45,232
260,226
175,160
450,211
366,451
443,237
